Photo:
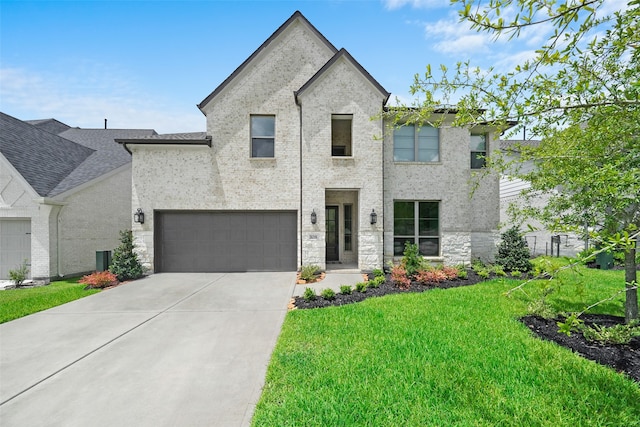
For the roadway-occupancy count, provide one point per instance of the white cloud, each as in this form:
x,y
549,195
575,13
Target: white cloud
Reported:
x,y
91,95
416,4
450,36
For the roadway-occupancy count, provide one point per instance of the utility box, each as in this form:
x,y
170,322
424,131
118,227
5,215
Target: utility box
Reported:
x,y
604,260
103,260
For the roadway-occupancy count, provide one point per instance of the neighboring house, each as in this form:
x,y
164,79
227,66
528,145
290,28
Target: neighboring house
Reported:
x,y
295,169
540,240
65,193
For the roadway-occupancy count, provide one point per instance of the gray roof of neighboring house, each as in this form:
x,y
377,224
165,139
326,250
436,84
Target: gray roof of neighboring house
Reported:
x,y
53,164
50,125
107,157
42,158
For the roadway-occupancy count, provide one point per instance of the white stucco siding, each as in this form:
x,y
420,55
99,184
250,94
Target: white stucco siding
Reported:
x,y
342,89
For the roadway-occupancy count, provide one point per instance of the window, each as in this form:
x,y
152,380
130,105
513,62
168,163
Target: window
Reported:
x,y
413,144
348,227
263,131
416,222
341,134
478,145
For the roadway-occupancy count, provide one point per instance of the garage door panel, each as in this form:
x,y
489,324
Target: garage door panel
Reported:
x,y
226,241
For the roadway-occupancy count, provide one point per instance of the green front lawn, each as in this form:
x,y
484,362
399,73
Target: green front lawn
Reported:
x,y
441,358
15,303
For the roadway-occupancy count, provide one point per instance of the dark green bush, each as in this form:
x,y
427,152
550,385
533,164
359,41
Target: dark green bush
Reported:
x,y
345,289
309,295
513,252
125,264
328,294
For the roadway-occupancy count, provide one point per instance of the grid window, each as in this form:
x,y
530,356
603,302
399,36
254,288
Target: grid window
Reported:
x,y
263,131
416,222
416,144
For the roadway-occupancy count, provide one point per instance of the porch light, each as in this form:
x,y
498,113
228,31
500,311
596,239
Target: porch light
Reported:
x,y
314,217
374,216
139,216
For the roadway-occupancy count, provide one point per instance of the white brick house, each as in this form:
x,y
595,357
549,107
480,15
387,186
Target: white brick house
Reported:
x,y
294,169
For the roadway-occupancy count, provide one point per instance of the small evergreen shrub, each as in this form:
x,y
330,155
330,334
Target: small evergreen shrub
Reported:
x,y
99,280
361,287
463,274
345,289
309,273
513,252
125,264
412,260
20,274
378,272
498,270
309,295
328,294
377,281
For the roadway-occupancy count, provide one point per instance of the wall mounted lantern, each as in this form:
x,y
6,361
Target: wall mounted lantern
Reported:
x,y
139,216
314,217
374,216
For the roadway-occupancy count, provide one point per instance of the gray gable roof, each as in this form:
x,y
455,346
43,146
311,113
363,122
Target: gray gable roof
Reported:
x,y
50,125
107,157
296,15
42,158
53,164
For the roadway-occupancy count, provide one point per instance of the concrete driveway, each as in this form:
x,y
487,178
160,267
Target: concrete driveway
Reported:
x,y
167,350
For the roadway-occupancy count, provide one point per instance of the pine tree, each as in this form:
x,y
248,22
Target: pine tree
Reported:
x,y
125,263
513,252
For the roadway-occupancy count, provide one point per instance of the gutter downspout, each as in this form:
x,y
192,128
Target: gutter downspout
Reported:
x,y
300,130
58,238
384,216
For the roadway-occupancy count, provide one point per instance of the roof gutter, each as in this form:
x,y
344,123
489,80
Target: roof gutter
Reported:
x,y
149,141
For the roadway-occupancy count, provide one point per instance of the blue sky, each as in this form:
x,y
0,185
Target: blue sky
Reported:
x,y
146,64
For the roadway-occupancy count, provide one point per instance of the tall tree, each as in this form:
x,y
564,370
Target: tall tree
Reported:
x,y
579,93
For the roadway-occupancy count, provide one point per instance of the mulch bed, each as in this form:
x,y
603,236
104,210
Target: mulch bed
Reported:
x,y
386,288
622,358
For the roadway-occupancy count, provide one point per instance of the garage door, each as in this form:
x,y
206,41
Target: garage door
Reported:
x,y
15,245
225,241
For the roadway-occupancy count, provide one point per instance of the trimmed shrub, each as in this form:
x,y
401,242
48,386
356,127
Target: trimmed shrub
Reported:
x,y
399,277
125,264
345,289
513,252
361,287
99,280
431,276
309,295
328,294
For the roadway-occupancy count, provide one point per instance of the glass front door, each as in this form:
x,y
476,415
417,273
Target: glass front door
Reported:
x,y
332,238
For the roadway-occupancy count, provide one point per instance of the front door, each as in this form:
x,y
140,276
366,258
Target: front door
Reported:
x,y
332,239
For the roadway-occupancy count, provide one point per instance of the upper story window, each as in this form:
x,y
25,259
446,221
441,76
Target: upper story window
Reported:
x,y
478,146
341,134
263,134
416,144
